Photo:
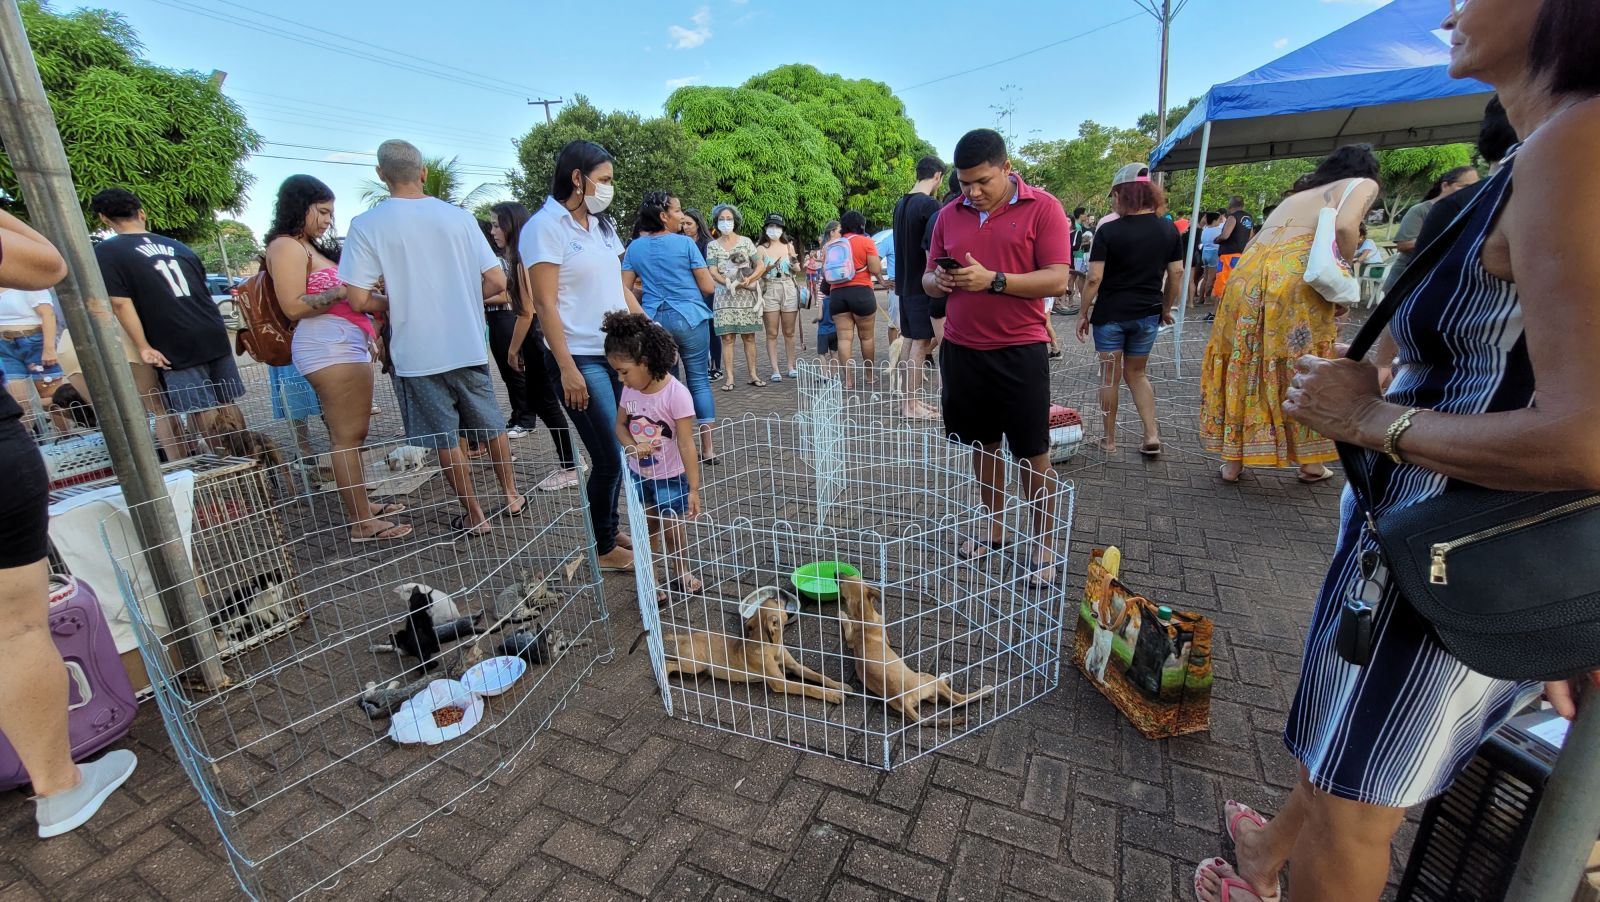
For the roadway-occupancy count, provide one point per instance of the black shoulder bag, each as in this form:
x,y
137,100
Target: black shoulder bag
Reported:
x,y
1509,581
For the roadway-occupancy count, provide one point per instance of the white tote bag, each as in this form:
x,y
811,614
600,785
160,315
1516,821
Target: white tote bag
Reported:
x,y
1326,270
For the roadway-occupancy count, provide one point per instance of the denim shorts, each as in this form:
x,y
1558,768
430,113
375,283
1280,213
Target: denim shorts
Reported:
x,y
19,356
669,495
436,408
202,386
1133,338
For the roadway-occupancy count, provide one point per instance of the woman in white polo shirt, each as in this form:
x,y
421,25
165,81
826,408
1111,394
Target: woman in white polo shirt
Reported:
x,y
574,269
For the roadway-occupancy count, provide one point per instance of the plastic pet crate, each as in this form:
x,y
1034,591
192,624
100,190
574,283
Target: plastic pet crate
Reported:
x,y
1470,838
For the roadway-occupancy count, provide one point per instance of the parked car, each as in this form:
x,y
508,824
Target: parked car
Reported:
x,y
221,289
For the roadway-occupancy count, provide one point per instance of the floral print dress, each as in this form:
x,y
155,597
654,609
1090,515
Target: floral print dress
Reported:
x,y
1268,318
736,311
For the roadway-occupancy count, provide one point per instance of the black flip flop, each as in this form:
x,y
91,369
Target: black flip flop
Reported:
x,y
462,530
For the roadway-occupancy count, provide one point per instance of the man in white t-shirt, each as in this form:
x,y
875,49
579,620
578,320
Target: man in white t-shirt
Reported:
x,y
437,270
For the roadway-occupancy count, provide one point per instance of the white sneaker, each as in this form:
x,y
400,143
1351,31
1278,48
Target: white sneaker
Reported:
x,y
69,810
558,480
516,432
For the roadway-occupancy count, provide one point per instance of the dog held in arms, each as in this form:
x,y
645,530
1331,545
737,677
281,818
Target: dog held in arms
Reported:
x,y
759,656
880,667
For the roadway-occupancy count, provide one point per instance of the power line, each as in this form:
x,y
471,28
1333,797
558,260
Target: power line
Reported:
x,y
273,156
367,130
308,38
1017,56
461,165
409,54
499,143
279,99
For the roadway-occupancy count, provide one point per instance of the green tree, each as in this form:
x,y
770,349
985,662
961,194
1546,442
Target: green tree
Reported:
x,y
241,243
651,155
873,145
1408,172
170,137
443,179
763,153
1078,170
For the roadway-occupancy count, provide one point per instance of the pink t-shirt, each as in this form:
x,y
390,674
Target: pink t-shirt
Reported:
x,y
655,417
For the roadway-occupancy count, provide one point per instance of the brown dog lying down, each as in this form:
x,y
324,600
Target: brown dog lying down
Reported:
x,y
880,667
758,656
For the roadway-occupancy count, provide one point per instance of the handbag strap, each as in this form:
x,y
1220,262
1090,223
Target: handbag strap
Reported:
x,y
1353,457
1348,190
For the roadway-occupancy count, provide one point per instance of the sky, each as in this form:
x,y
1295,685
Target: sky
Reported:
x,y
326,82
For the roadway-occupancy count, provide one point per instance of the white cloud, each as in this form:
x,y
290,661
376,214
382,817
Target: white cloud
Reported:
x,y
690,38
680,82
1281,43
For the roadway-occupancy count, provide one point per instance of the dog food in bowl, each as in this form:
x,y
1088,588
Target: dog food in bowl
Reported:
x,y
819,581
448,716
494,676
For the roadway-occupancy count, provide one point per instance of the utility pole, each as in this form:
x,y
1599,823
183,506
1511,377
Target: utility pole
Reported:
x,y
1164,12
547,104
227,269
33,145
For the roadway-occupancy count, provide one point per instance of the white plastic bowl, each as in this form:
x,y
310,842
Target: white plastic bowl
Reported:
x,y
494,676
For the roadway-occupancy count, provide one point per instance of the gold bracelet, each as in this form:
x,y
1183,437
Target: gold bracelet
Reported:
x,y
1391,439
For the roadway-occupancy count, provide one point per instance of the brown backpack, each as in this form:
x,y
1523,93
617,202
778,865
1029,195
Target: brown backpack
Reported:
x,y
266,331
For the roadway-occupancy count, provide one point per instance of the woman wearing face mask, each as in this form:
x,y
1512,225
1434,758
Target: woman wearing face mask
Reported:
x,y
780,296
666,271
332,343
737,269
573,272
694,228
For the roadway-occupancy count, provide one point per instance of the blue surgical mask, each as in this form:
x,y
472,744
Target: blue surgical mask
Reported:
x,y
725,226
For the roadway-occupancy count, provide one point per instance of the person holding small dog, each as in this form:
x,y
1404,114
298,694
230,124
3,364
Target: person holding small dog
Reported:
x,y
656,425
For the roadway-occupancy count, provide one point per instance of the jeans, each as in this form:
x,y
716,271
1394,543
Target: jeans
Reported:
x,y
544,400
712,341
696,358
597,428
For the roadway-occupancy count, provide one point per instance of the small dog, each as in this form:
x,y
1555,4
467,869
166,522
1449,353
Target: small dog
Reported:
x,y
880,667
895,378
252,608
758,656
227,434
406,458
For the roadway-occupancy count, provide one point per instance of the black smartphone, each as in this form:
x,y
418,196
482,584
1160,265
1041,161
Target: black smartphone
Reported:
x,y
947,262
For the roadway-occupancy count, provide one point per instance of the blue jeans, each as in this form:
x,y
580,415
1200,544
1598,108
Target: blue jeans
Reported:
x,y
597,429
696,358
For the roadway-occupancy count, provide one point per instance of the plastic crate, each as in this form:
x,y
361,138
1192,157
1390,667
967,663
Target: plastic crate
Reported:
x,y
1066,433
1471,837
76,459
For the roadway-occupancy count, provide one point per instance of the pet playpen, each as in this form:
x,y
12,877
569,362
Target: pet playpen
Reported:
x,y
799,499
365,705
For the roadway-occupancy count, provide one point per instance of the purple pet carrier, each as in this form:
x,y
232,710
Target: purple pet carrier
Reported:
x,y
100,702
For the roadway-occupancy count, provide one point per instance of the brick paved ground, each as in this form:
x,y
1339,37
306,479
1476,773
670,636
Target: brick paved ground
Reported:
x,y
1062,801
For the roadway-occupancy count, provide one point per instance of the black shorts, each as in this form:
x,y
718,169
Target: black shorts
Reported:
x,y
827,342
916,317
938,306
25,504
857,299
990,395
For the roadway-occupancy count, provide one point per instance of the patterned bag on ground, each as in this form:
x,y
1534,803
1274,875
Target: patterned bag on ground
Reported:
x,y
1152,662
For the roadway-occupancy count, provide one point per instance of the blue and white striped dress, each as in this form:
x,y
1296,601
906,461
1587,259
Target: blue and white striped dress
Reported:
x,y
1397,731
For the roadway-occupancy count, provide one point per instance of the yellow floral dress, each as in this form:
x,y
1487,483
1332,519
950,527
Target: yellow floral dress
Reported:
x,y
1268,318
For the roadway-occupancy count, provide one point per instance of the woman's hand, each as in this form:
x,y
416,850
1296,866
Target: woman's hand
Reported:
x,y
1333,397
1563,694
1083,329
692,506
514,359
574,388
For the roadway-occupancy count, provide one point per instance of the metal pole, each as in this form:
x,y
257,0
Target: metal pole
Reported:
x,y
34,147
227,268
1161,101
1188,260
1568,820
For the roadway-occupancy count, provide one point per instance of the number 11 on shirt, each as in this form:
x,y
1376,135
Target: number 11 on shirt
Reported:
x,y
175,278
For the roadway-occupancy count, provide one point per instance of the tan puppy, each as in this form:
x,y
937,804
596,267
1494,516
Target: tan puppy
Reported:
x,y
891,369
880,667
758,656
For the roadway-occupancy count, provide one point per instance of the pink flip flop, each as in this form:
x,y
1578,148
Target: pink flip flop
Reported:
x,y
1230,889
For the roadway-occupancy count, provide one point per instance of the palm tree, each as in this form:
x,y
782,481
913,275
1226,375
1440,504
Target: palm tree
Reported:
x,y
444,181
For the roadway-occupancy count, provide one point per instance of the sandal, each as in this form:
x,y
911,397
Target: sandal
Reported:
x,y
756,382
462,530
1150,449
387,509
1231,887
728,387
1223,469
1326,475
973,549
387,534
521,512
712,461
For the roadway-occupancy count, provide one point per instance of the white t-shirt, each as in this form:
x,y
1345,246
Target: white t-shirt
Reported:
x,y
1209,236
431,256
590,284
18,308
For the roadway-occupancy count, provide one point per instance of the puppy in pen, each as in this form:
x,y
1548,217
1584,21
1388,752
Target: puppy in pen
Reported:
x,y
656,425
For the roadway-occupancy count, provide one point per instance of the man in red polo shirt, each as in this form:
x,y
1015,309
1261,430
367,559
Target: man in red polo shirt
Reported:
x,y
1012,246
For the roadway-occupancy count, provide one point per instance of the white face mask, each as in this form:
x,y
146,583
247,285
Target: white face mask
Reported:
x,y
774,234
601,198
725,226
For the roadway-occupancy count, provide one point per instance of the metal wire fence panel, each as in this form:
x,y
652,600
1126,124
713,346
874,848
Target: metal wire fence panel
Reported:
x,y
941,635
300,758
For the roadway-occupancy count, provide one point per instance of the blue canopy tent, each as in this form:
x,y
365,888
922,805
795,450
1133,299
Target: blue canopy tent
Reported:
x,y
1381,80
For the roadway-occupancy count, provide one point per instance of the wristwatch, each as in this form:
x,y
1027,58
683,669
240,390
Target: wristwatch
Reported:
x,y
998,286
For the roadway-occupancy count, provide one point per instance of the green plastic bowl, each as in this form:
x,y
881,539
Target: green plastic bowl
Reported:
x,y
820,581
